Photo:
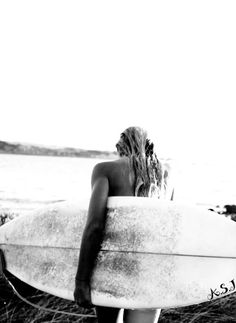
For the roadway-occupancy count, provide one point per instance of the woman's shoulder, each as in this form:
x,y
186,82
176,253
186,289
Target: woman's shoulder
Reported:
x,y
106,166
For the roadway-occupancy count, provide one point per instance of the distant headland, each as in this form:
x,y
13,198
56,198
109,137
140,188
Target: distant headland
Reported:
x,y
38,150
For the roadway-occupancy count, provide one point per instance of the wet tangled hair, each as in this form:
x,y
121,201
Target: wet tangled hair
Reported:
x,y
135,145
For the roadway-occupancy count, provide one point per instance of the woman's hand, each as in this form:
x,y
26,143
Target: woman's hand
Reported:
x,y
82,294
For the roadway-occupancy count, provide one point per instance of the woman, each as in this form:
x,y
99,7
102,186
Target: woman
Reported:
x,y
137,172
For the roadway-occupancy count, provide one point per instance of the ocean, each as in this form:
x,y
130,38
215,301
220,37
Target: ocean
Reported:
x,y
29,182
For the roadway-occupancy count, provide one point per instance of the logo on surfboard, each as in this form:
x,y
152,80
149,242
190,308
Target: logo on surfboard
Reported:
x,y
222,290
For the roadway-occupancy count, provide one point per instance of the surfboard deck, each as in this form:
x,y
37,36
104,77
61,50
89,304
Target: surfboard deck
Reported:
x,y
155,253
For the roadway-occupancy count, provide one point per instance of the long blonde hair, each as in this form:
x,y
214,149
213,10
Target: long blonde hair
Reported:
x,y
148,171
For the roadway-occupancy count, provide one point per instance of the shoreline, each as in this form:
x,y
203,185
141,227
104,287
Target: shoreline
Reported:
x,y
37,150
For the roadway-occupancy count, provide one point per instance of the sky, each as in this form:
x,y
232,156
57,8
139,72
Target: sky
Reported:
x,y
77,73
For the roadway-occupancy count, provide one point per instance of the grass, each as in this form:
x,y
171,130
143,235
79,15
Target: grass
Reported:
x,y
12,309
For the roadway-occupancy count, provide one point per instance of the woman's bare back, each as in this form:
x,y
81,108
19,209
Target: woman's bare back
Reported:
x,y
120,176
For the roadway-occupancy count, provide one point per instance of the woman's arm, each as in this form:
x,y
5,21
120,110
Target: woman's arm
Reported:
x,y
92,235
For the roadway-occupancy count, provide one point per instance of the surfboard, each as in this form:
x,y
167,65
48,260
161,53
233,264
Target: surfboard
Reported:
x,y
155,253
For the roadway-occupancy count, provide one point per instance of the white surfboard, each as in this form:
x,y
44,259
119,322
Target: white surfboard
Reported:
x,y
155,253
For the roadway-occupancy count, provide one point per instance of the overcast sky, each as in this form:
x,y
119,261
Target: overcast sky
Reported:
x,y
76,73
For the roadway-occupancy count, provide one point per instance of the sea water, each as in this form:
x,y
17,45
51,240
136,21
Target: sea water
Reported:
x,y
29,182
